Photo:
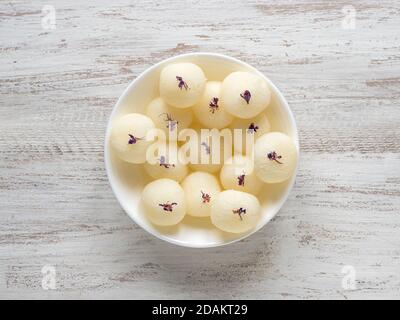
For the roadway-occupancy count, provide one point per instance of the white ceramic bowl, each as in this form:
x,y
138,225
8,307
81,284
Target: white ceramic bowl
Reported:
x,y
128,181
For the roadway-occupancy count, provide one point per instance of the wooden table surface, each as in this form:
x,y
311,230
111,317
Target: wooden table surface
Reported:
x,y
337,236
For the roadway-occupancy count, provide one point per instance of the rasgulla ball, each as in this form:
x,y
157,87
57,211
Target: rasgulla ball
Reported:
x,y
205,154
275,157
245,94
163,162
235,211
164,202
182,84
209,111
201,189
238,174
128,137
169,119
249,130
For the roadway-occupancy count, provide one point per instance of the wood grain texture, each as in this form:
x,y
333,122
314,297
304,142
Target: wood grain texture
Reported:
x,y
58,87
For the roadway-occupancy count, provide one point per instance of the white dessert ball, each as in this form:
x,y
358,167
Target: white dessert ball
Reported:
x,y
205,151
128,137
164,202
201,190
205,154
235,211
169,119
209,111
244,94
275,157
249,130
182,84
238,174
163,162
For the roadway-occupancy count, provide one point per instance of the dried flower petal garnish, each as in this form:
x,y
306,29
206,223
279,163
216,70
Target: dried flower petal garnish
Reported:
x,y
164,164
246,95
171,122
252,128
206,197
206,147
181,83
241,179
273,156
167,206
239,212
213,105
133,139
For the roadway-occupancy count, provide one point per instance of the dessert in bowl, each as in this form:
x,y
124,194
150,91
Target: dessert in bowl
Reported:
x,y
159,154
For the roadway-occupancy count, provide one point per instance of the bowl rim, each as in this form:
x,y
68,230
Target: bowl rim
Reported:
x,y
284,104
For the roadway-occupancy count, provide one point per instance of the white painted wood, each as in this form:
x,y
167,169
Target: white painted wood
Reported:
x,y
57,89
